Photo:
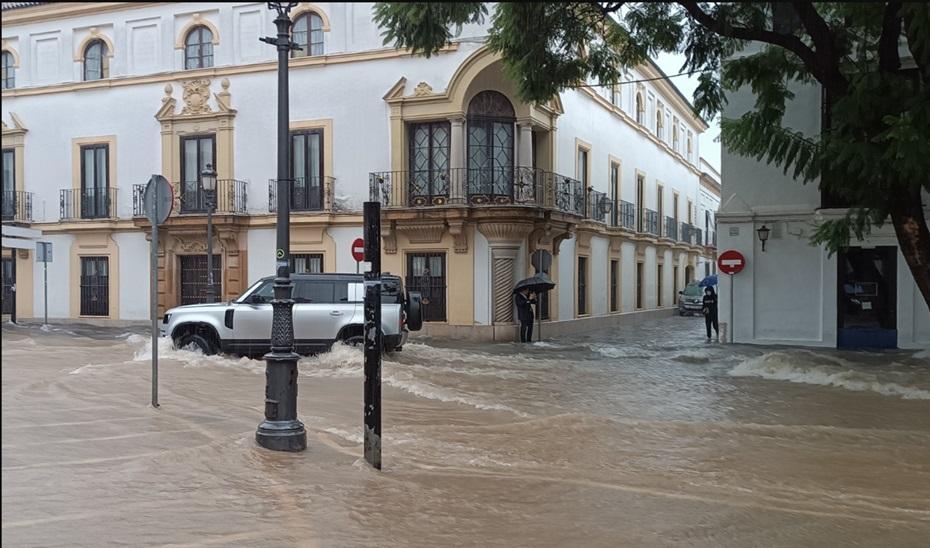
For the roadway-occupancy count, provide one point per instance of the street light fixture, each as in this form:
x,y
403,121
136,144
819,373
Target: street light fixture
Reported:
x,y
763,235
281,431
208,183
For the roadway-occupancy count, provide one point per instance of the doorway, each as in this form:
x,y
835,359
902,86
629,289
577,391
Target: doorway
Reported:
x,y
426,273
194,278
9,296
867,298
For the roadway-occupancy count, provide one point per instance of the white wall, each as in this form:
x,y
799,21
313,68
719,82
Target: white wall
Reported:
x,y
134,275
600,282
482,279
59,285
343,237
261,243
628,276
566,281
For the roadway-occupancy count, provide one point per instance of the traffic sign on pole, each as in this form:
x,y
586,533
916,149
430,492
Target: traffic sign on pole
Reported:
x,y
731,262
358,250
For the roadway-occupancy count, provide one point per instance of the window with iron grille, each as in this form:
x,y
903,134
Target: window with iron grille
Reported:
x,y
9,71
96,61
658,285
306,263
307,170
639,285
490,152
614,286
429,162
95,286
9,184
194,278
198,48
308,34
426,273
95,178
582,286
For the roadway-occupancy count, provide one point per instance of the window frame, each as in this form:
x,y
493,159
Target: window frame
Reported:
x,y
199,31
8,61
307,204
307,48
581,285
85,287
104,60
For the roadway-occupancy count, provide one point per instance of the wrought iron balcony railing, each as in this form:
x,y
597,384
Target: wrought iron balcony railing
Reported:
x,y
650,222
688,233
307,194
599,207
17,206
190,198
627,215
87,203
671,228
478,187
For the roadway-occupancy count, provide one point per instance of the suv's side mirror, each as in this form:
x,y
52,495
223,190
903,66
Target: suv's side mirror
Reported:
x,y
256,299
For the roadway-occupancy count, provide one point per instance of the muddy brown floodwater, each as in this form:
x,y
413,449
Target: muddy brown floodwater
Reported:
x,y
640,437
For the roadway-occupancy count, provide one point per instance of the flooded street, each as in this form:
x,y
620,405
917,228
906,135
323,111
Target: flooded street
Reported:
x,y
645,436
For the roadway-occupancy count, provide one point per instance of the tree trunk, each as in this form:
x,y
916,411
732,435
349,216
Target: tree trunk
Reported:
x,y
910,225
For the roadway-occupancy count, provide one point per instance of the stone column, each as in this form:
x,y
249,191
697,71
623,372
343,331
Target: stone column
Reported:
x,y
525,153
457,176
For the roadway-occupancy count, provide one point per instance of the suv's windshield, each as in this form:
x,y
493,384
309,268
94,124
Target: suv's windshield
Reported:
x,y
693,290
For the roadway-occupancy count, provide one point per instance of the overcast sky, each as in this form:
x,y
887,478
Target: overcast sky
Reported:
x,y
671,64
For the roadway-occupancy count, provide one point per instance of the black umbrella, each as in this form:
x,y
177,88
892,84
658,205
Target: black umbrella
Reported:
x,y
537,284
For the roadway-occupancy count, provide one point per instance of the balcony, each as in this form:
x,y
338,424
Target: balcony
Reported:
x,y
87,203
191,198
523,186
691,234
627,215
17,206
599,207
671,228
307,194
650,222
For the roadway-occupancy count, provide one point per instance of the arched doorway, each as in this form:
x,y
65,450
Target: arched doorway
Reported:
x,y
490,156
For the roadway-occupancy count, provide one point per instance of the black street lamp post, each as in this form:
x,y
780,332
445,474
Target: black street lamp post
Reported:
x,y
281,431
208,182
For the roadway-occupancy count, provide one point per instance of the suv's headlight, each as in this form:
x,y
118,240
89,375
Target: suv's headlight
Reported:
x,y
166,318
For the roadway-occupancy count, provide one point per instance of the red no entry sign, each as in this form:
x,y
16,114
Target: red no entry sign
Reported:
x,y
731,262
358,250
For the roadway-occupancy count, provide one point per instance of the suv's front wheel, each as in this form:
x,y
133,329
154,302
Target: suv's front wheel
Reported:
x,y
198,341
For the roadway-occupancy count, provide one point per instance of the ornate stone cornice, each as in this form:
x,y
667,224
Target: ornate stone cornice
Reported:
x,y
389,238
423,233
506,232
459,232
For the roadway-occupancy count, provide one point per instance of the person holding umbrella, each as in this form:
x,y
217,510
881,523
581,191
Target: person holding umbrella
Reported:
x,y
710,311
525,300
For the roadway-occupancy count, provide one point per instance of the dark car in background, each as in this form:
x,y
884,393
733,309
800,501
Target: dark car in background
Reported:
x,y
691,299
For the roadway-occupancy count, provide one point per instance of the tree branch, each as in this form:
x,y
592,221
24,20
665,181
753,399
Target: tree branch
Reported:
x,y
724,28
825,42
888,58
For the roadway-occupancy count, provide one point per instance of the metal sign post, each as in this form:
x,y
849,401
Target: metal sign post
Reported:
x,y
44,256
731,262
157,203
372,415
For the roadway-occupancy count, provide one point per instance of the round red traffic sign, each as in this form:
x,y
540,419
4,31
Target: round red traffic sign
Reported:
x,y
731,262
358,250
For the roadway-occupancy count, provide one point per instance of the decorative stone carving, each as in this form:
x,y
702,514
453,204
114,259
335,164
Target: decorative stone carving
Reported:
x,y
557,241
505,232
223,102
196,94
584,239
23,253
616,244
422,89
460,235
389,238
424,233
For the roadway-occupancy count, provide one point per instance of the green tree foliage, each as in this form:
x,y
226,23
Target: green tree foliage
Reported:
x,y
873,153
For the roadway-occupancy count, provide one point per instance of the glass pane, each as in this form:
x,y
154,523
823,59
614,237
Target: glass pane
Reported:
x,y
9,181
190,161
102,267
300,158
315,167
419,265
88,181
206,37
315,292
206,153
435,266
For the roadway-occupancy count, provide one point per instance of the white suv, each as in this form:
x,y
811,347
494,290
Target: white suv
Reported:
x,y
327,308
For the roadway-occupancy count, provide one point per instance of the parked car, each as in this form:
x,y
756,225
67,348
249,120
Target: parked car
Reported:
x,y
327,308
691,299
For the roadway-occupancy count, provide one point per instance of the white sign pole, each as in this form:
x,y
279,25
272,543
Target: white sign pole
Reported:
x,y
45,274
732,323
154,298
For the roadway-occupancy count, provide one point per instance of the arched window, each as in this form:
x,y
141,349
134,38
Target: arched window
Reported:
x,y
9,71
640,109
490,147
675,138
198,48
308,34
690,146
96,61
660,124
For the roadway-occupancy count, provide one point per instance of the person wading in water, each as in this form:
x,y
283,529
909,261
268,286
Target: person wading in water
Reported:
x,y
710,311
524,301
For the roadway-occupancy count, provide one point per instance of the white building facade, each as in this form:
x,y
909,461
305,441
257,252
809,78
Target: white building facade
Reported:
x,y
97,97
792,292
